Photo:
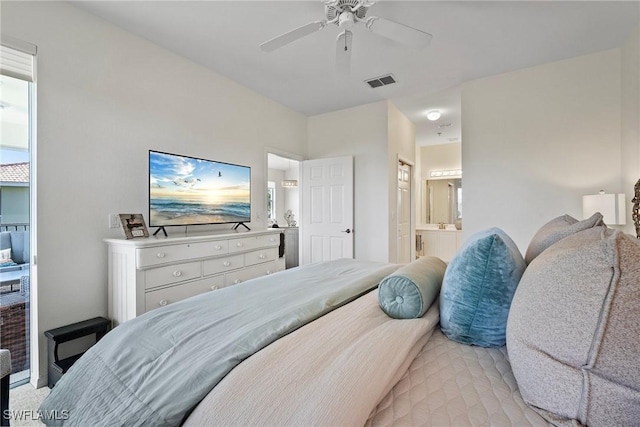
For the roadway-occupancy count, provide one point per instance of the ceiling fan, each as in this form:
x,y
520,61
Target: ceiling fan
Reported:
x,y
345,14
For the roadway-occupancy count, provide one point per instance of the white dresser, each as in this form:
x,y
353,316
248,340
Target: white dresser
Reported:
x,y
149,273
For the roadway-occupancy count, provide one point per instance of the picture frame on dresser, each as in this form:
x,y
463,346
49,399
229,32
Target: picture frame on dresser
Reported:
x,y
133,226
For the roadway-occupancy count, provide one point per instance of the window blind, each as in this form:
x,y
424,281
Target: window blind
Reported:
x,y
17,59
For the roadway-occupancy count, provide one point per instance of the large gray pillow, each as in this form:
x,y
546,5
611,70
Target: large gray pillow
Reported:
x,y
573,333
556,230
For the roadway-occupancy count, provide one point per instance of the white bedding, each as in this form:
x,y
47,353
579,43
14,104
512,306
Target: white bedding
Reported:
x,y
331,372
451,384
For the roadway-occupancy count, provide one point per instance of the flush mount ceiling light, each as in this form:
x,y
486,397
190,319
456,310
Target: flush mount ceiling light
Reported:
x,y
433,115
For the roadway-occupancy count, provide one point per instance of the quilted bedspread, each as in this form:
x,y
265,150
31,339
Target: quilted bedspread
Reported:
x,y
452,384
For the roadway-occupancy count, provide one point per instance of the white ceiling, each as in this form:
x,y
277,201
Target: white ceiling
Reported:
x,y
471,39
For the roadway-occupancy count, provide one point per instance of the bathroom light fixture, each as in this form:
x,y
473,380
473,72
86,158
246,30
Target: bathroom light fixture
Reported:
x,y
457,173
289,183
611,206
433,115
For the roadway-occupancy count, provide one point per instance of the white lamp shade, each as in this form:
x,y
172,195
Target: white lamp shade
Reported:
x,y
611,206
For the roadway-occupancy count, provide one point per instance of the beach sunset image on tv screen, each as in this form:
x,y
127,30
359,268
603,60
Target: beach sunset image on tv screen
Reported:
x,y
187,191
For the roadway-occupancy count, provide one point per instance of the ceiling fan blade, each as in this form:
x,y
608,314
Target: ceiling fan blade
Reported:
x,y
398,32
292,35
343,53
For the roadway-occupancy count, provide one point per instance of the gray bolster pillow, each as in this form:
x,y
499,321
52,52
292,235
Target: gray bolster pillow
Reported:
x,y
409,291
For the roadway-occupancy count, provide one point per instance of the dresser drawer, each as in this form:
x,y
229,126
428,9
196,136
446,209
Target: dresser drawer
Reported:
x,y
235,277
262,255
147,257
159,276
243,244
220,265
269,240
248,243
166,296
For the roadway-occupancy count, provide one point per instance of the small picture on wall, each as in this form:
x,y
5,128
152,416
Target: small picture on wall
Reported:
x,y
133,225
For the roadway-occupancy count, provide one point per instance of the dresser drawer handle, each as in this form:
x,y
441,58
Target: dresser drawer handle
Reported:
x,y
226,263
239,245
217,247
214,287
160,254
262,256
177,273
163,302
235,282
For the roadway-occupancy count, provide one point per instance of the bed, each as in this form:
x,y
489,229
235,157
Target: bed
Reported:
x,y
155,369
356,343
308,346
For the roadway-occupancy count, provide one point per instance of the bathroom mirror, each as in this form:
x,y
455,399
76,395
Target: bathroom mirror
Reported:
x,y
442,201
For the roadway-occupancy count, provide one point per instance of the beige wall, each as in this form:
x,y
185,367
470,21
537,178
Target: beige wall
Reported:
x,y
440,157
360,132
537,140
376,135
105,97
630,120
401,143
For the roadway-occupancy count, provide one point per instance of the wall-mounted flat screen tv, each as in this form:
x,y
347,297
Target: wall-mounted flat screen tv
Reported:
x,y
187,190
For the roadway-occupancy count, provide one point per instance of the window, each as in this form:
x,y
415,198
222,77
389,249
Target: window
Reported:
x,y
271,200
17,96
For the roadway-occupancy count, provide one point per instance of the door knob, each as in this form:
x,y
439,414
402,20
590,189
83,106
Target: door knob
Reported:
x,y
348,230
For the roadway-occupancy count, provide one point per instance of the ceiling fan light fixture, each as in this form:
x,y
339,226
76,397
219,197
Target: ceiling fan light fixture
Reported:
x,y
346,20
346,14
433,115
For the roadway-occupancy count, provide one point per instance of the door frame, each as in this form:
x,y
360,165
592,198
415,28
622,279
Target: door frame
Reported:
x,y
412,207
265,176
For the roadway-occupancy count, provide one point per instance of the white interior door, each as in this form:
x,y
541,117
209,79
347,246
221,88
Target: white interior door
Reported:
x,y
327,209
404,213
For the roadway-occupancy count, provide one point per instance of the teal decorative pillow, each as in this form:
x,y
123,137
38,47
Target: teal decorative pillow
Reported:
x,y
409,291
556,230
478,287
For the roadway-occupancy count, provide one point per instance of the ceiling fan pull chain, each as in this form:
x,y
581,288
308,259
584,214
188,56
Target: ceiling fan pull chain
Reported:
x,y
345,40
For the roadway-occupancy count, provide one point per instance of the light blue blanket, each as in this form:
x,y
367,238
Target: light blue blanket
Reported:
x,y
152,370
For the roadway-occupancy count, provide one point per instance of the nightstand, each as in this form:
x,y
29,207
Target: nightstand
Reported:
x,y
57,367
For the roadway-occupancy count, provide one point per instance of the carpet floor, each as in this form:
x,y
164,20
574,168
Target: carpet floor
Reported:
x,y
24,402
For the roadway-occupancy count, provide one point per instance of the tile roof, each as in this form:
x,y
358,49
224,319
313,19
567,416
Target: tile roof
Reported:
x,y
14,172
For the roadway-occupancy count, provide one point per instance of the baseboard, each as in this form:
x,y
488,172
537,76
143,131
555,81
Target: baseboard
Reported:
x,y
39,382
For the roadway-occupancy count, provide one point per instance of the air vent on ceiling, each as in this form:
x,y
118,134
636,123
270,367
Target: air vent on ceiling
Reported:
x,y
381,81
